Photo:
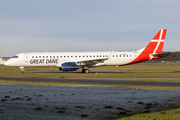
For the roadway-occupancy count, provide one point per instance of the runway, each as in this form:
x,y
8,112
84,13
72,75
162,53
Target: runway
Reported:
x,y
127,81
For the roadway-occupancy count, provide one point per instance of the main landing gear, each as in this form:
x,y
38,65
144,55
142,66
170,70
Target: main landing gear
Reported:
x,y
85,71
22,70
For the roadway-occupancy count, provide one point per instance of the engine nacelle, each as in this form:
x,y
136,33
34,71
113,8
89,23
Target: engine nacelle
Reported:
x,y
69,66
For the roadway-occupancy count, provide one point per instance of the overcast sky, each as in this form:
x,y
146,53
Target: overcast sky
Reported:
x,y
86,25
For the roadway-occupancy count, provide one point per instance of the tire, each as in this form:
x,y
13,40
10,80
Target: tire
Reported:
x,y
86,71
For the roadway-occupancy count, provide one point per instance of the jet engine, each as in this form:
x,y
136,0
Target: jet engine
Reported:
x,y
69,66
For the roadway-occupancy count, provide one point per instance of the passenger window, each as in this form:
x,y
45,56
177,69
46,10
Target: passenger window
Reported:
x,y
64,56
39,56
116,55
36,57
32,56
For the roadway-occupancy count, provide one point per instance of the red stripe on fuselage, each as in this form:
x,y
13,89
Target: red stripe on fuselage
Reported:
x,y
144,56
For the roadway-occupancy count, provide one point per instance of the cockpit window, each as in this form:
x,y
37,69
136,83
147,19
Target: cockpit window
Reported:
x,y
15,57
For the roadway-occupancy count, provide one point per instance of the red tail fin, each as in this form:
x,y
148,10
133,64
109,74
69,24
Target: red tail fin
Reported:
x,y
154,47
156,44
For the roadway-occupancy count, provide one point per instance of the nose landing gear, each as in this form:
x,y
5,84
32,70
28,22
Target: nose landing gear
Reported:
x,y
22,70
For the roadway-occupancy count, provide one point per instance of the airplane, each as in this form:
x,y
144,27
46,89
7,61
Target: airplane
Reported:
x,y
71,61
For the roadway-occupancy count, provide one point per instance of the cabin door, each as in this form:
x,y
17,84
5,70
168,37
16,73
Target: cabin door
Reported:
x,y
26,57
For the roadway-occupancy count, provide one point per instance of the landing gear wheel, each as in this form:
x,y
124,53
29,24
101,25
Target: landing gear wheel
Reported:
x,y
85,71
22,70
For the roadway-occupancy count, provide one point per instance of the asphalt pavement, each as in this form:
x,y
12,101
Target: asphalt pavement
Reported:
x,y
128,81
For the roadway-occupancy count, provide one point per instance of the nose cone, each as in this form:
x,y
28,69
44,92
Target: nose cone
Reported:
x,y
6,63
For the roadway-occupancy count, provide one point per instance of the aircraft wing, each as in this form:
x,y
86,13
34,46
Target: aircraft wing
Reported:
x,y
88,62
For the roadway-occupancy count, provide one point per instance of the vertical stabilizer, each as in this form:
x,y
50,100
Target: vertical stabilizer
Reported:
x,y
156,44
154,47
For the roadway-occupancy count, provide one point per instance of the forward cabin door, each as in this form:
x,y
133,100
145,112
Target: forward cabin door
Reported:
x,y
26,57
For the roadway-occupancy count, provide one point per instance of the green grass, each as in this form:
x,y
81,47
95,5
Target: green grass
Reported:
x,y
143,70
173,114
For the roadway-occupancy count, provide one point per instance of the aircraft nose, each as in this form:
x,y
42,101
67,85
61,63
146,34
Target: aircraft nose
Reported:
x,y
6,63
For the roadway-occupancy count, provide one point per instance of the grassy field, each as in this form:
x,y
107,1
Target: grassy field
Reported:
x,y
136,72
173,114
142,70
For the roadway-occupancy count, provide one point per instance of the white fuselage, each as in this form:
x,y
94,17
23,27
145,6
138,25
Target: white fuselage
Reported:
x,y
71,61
57,58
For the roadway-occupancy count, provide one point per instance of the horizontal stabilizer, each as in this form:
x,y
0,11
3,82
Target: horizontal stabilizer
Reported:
x,y
164,54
